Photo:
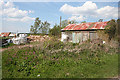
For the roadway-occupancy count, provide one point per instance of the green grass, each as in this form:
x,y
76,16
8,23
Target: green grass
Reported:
x,y
9,45
4,37
0,65
87,63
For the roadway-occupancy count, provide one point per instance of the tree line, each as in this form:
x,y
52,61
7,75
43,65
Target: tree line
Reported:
x,y
40,27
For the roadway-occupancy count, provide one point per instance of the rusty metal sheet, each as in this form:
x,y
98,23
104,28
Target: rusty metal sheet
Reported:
x,y
5,34
85,26
93,35
69,27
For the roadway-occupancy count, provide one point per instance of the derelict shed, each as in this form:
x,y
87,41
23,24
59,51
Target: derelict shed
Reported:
x,y
77,33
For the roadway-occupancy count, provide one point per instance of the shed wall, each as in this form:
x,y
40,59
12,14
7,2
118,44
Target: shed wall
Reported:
x,y
78,36
93,35
66,36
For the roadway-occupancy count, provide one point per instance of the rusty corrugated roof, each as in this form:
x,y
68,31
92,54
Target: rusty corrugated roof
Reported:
x,y
5,34
85,26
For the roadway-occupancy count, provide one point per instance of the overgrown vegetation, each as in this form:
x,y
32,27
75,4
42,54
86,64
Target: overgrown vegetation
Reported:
x,y
55,31
111,31
54,59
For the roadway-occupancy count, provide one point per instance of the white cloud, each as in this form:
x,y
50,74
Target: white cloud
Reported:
x,y
89,9
11,19
8,4
108,12
27,18
11,13
81,10
31,11
24,19
78,18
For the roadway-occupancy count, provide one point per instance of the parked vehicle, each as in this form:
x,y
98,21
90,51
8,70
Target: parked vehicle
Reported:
x,y
22,39
4,42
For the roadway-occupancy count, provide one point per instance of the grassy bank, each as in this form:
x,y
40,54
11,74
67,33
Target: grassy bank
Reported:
x,y
54,59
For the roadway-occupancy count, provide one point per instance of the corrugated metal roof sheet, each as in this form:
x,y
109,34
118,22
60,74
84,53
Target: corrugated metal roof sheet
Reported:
x,y
5,34
85,26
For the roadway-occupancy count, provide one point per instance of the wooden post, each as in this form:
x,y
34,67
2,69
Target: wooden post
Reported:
x,y
60,21
60,25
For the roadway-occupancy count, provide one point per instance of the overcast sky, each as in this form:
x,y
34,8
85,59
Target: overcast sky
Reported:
x,y
18,16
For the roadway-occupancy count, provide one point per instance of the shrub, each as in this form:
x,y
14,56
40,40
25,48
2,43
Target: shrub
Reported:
x,y
53,44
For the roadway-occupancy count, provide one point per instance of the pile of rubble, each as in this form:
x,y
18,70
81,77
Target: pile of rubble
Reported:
x,y
33,38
